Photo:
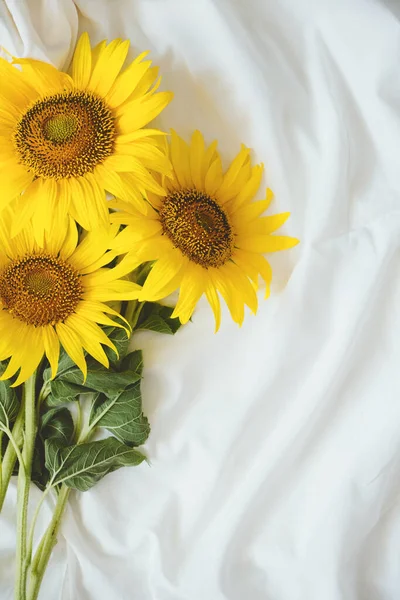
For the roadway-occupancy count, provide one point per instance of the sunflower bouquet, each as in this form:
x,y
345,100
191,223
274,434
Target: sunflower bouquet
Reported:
x,y
101,218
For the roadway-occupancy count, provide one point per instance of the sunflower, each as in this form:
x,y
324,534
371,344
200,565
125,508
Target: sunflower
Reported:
x,y
57,294
205,233
67,139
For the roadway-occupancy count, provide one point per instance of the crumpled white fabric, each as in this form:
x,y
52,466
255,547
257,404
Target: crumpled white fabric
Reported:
x,y
275,460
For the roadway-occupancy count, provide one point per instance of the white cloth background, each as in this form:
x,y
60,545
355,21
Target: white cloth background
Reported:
x,y
275,449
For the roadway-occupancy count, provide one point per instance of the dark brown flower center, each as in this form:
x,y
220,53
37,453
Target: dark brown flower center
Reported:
x,y
40,289
65,135
198,226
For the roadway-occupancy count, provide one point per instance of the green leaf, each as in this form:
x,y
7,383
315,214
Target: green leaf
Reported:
x,y
40,475
120,340
9,404
64,364
156,317
58,424
62,391
81,467
133,362
122,415
100,379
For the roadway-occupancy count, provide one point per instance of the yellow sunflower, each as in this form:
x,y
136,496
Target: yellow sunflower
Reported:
x,y
205,233
67,139
57,294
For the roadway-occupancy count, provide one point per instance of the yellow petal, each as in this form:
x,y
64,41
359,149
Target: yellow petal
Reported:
x,y
143,110
14,179
42,193
44,77
213,299
126,82
264,225
24,208
249,212
236,176
91,337
116,185
148,154
180,160
107,57
144,86
232,297
15,87
240,282
249,190
214,177
71,240
196,159
93,311
105,276
192,287
164,277
52,348
92,248
137,135
31,354
265,243
253,265
209,156
110,68
72,346
82,62
115,290
140,177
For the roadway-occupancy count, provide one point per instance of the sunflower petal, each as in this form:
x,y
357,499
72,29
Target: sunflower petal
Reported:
x,y
72,346
52,348
265,243
82,62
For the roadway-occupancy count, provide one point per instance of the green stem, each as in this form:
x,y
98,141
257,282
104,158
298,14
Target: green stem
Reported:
x,y
1,461
33,525
24,480
130,310
10,456
46,545
14,444
44,392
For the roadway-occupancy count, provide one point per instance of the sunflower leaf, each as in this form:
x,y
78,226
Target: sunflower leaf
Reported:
x,y
156,317
64,364
56,425
81,467
9,404
40,475
100,379
62,392
120,340
122,415
133,362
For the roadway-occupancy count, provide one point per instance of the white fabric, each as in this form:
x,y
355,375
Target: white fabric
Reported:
x,y
274,448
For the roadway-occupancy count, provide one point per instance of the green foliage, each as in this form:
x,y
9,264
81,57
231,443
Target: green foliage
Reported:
x,y
156,317
82,466
9,404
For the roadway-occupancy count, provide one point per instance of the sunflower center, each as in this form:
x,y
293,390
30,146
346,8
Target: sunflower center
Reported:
x,y
198,226
40,289
65,135
60,128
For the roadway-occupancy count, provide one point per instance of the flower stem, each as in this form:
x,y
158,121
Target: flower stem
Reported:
x,y
10,456
24,480
132,313
46,545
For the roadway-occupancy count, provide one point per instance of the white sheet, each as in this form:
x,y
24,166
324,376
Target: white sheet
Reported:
x,y
275,448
